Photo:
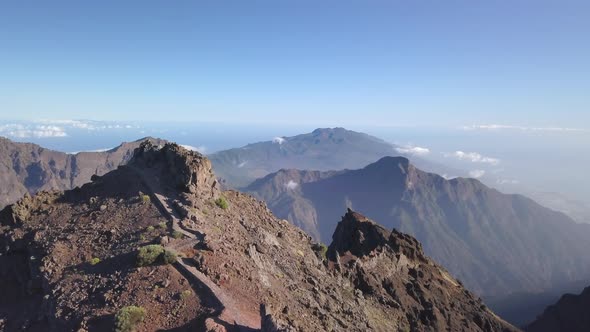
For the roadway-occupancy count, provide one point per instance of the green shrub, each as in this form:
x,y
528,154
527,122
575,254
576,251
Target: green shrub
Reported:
x,y
177,234
149,254
154,253
145,198
323,250
94,261
162,225
169,257
150,228
128,318
221,202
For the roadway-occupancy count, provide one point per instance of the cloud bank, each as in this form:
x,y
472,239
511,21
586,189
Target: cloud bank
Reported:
x,y
473,157
291,185
15,130
200,149
477,173
498,127
413,150
278,140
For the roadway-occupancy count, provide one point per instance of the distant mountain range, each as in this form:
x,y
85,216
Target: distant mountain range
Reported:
x,y
29,168
323,149
496,243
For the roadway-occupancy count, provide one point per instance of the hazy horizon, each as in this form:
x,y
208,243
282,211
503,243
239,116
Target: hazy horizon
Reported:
x,y
497,89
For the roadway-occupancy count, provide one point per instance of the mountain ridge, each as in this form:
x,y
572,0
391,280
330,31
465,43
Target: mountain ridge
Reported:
x,y
461,222
323,149
69,262
28,167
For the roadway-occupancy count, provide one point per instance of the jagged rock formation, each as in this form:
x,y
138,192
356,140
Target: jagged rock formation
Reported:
x,y
496,243
571,313
29,168
238,268
323,149
391,269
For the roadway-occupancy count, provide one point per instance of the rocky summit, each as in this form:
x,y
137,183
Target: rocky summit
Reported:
x,y
158,245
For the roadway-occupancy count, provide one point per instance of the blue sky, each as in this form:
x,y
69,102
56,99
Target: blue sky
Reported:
x,y
298,62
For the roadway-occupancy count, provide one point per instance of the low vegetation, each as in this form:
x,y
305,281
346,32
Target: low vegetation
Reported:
x,y
169,257
323,250
177,234
128,318
94,261
153,254
185,294
144,198
221,202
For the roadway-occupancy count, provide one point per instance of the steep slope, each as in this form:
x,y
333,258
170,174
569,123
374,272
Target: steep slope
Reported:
x,y
571,313
323,149
28,168
238,268
495,243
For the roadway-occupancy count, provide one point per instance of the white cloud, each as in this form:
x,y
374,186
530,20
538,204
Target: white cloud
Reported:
x,y
278,140
473,157
87,124
497,127
507,181
96,150
448,177
413,150
292,185
200,149
477,173
242,164
16,130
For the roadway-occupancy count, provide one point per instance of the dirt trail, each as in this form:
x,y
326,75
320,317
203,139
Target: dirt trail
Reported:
x,y
229,313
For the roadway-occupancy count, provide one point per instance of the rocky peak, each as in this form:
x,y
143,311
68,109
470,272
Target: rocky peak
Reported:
x,y
361,236
177,167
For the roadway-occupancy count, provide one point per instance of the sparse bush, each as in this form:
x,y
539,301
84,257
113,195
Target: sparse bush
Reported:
x,y
169,257
94,261
149,254
185,294
177,234
150,228
128,318
221,202
162,225
154,253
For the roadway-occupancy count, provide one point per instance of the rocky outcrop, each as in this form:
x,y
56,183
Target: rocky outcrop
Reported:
x,y
177,167
391,269
571,313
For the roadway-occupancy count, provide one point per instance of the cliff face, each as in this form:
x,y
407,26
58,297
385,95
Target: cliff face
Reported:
x,y
29,168
70,262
